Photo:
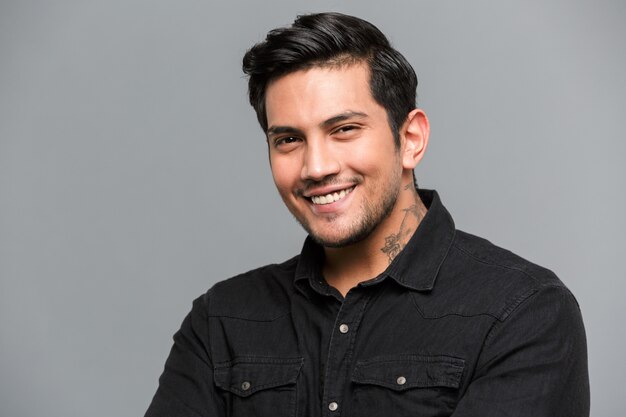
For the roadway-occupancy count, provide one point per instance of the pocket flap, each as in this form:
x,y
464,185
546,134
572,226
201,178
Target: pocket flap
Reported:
x,y
404,372
245,376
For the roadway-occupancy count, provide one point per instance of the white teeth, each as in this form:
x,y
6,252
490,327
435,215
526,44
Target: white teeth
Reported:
x,y
331,198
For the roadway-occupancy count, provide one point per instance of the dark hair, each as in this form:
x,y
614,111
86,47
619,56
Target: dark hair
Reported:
x,y
332,39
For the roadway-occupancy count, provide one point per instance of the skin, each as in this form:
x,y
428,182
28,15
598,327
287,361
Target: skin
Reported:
x,y
326,134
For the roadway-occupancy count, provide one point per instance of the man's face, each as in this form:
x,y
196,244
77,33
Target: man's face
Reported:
x,y
332,153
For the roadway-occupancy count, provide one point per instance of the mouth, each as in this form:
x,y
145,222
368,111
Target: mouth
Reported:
x,y
330,197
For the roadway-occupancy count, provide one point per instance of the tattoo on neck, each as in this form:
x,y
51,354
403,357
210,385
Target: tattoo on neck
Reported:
x,y
395,242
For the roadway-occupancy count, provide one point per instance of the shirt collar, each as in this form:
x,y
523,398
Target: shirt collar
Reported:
x,y
419,262
416,267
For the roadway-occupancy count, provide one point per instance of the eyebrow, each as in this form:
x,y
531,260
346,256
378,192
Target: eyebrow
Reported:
x,y
343,117
277,130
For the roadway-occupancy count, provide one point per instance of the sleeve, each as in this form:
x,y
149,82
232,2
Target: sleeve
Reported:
x,y
533,363
186,387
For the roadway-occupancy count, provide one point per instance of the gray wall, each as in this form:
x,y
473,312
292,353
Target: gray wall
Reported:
x,y
133,175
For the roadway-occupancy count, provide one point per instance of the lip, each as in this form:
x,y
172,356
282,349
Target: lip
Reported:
x,y
334,207
326,190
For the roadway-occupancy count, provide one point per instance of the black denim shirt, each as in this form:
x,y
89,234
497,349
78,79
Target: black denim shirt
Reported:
x,y
454,327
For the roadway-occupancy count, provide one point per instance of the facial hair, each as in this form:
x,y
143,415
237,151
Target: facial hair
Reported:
x,y
373,213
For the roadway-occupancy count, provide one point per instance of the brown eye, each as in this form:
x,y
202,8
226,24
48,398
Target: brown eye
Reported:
x,y
347,128
285,141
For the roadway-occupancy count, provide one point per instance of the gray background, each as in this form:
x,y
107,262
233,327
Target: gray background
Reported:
x,y
133,175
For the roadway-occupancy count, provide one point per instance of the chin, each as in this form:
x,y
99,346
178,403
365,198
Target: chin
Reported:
x,y
340,240
332,242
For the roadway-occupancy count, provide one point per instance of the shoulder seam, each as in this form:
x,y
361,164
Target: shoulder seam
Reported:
x,y
497,264
519,298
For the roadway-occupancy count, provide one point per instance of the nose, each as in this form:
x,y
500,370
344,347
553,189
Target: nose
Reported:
x,y
319,161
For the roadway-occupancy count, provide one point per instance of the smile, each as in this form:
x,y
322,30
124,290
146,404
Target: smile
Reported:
x,y
332,197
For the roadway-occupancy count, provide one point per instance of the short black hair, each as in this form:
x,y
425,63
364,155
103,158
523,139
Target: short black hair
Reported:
x,y
333,39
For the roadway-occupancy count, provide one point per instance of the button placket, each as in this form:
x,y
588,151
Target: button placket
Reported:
x,y
338,360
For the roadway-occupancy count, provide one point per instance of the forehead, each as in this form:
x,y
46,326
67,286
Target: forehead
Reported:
x,y
315,94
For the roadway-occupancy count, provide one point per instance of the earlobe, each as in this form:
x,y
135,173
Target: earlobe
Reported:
x,y
415,134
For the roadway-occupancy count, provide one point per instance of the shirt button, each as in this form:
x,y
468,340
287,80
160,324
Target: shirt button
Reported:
x,y
245,385
333,406
401,380
344,328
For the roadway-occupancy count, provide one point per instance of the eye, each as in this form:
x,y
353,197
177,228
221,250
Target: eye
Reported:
x,y
286,142
346,130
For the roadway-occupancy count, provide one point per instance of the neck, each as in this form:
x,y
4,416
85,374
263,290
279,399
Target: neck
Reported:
x,y
346,267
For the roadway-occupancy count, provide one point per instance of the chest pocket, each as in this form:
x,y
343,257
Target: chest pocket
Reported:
x,y
259,386
407,385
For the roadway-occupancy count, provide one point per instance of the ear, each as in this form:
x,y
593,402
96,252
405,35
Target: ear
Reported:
x,y
414,134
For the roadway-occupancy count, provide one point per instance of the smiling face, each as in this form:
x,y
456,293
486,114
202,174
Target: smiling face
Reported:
x,y
332,153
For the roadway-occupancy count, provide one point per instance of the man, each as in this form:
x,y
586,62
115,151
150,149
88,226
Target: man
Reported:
x,y
389,310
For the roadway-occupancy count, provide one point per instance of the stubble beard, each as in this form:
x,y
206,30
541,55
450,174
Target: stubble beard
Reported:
x,y
372,215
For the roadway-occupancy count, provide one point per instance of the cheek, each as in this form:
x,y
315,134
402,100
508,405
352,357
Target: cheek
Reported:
x,y
285,174
370,159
